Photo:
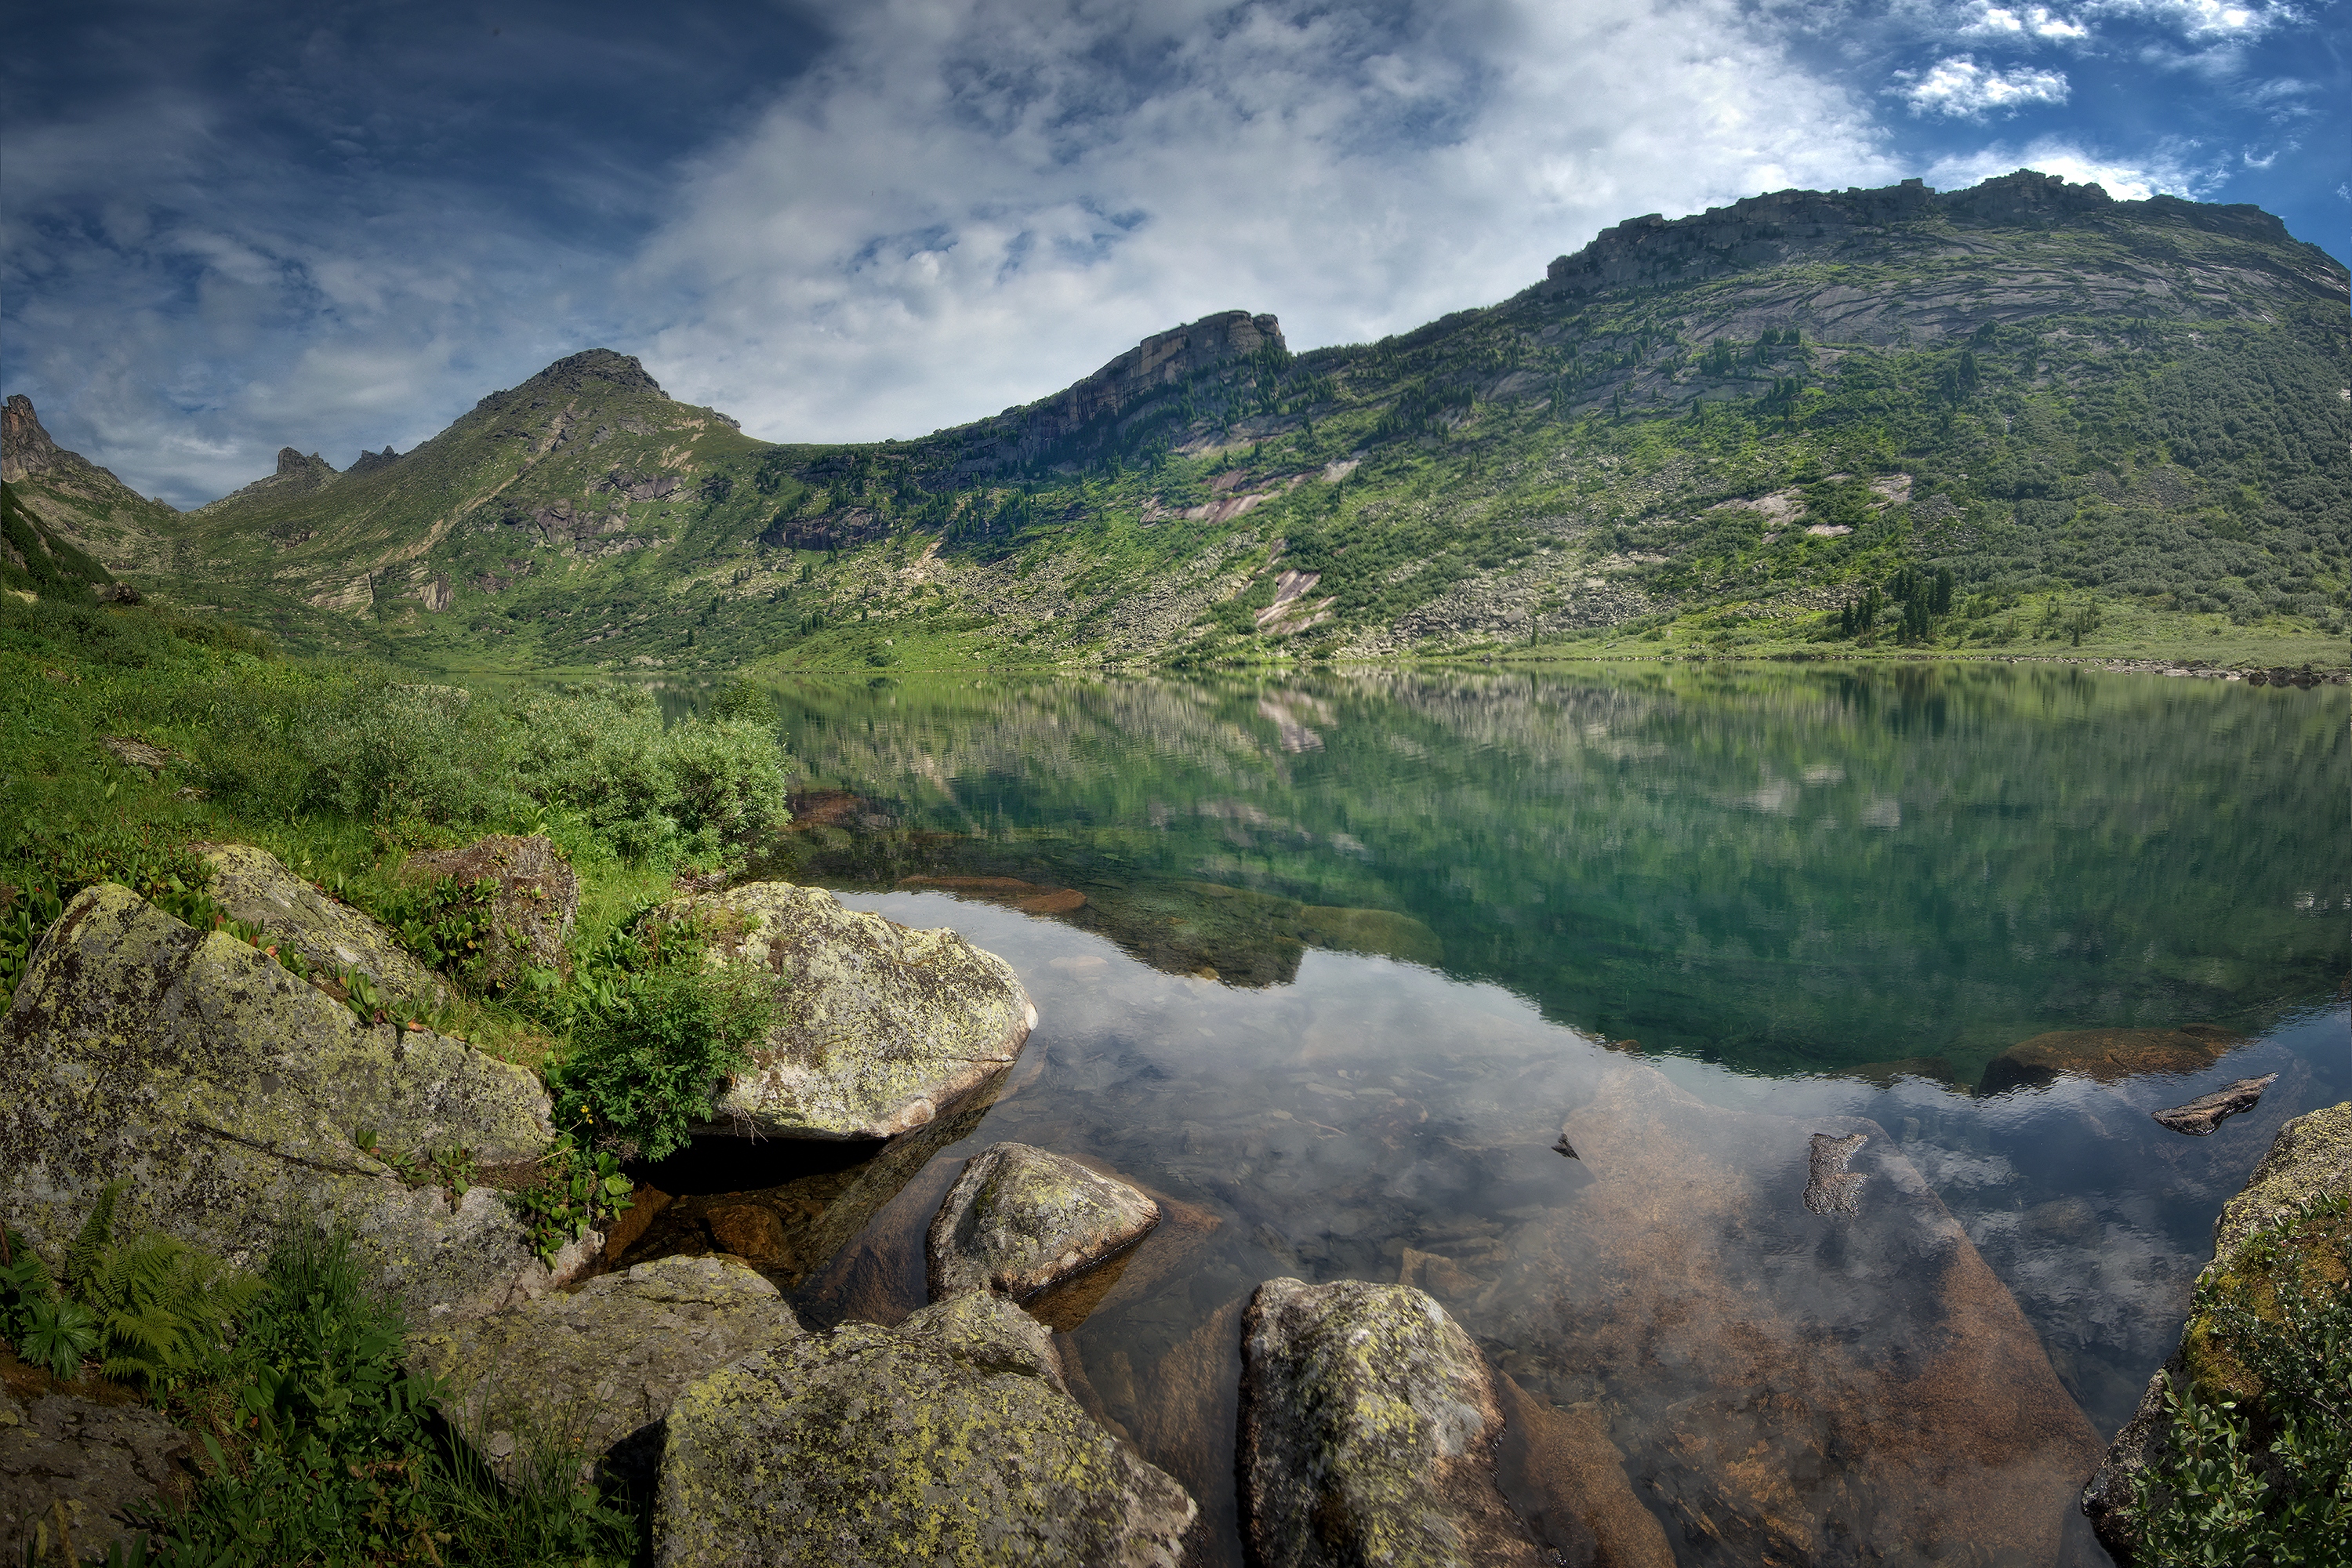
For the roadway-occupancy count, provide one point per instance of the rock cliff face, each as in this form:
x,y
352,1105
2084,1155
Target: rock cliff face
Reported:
x,y
75,502
25,448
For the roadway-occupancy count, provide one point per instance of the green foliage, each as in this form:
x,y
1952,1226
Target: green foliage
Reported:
x,y
51,566
652,1030
2266,1474
447,924
577,1190
163,1309
698,786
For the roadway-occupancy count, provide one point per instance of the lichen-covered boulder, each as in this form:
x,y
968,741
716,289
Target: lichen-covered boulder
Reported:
x,y
1020,1220
881,1028
72,1473
254,887
531,911
599,1367
1368,1426
947,1439
230,1093
2311,1158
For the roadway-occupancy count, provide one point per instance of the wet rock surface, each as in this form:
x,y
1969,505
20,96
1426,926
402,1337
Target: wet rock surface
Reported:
x,y
255,888
2310,1158
1020,1220
2106,1056
231,1092
949,1438
600,1366
531,911
73,1473
1565,1477
2201,1115
881,1028
1368,1419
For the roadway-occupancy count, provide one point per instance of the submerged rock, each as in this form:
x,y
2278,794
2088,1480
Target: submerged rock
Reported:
x,y
230,1092
1567,1481
2106,1056
2311,1158
531,911
2201,1115
1831,1188
881,1028
1020,1220
947,1439
600,1368
254,887
1368,1423
72,1473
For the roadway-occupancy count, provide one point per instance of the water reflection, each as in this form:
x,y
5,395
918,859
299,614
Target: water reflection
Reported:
x,y
1337,1005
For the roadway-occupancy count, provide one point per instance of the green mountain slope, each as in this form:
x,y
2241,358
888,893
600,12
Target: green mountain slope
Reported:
x,y
1981,418
68,520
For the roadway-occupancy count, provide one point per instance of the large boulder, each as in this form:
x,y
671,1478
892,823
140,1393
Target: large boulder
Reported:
x,y
230,1094
2311,1158
600,1366
947,1439
1795,1347
74,1473
1367,1427
254,887
1020,1220
536,897
881,1028
2106,1056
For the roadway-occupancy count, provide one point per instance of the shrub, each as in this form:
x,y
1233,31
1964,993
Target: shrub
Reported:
x,y
698,786
383,754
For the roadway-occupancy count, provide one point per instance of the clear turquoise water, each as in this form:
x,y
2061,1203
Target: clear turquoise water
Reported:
x,y
1350,952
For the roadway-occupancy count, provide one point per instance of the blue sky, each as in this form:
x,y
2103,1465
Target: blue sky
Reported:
x,y
225,228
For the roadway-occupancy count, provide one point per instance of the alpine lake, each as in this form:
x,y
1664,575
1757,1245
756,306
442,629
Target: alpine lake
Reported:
x,y
1340,968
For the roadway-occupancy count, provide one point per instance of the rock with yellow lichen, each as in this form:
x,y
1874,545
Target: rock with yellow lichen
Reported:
x,y
1020,1220
599,1367
879,1029
255,888
2262,1234
1369,1421
232,1094
947,1439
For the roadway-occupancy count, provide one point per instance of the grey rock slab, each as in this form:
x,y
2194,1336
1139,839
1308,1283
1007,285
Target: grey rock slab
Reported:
x,y
599,1367
950,1439
881,1028
72,1472
1367,1427
254,887
536,898
230,1093
1020,1220
2201,1115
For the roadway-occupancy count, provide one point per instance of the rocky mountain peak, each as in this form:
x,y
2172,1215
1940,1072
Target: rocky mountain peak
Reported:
x,y
25,447
573,373
292,463
368,461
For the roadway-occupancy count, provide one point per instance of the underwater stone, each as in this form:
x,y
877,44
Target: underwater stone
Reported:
x,y
881,1028
2201,1115
1020,1220
600,1367
2106,1056
1367,1427
947,1439
1831,1188
230,1093
254,887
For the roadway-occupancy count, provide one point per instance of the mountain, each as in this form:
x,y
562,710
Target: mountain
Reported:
x,y
1974,418
69,512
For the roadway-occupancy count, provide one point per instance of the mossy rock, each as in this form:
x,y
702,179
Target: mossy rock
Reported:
x,y
531,914
232,1094
598,1368
1021,1220
947,1439
880,1027
1369,1421
254,887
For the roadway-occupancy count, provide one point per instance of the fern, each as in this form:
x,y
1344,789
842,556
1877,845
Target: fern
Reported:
x,y
97,1232
163,1306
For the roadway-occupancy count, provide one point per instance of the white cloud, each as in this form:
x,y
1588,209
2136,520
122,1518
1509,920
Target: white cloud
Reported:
x,y
1960,88
2170,172
2021,22
969,206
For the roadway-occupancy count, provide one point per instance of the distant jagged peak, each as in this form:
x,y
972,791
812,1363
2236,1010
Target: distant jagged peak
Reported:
x,y
293,464
25,448
367,461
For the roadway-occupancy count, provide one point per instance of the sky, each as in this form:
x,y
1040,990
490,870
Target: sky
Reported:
x,y
230,227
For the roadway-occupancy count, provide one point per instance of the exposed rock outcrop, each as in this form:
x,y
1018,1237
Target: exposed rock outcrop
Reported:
x,y
73,1472
2201,1115
1367,1431
600,1367
1020,1220
2311,1158
881,1028
232,1093
947,1439
531,911
25,448
254,887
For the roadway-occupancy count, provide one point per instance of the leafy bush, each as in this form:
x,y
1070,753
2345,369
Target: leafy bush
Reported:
x,y
706,782
2259,1464
576,1190
386,754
